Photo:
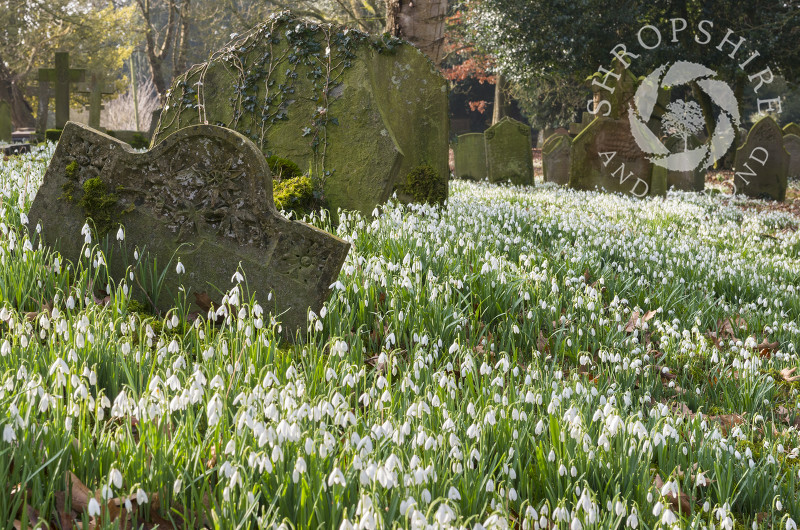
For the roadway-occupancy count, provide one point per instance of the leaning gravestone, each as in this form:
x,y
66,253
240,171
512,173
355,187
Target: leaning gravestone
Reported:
x,y
694,180
792,144
791,128
605,155
470,156
762,163
364,114
555,159
204,195
508,152
6,128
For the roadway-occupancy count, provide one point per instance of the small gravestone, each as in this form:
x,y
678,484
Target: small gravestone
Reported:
x,y
694,180
555,159
792,144
470,157
365,114
791,128
62,76
6,128
605,155
203,195
762,163
95,89
508,152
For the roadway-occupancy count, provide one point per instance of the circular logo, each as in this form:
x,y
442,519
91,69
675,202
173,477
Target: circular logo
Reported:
x,y
684,119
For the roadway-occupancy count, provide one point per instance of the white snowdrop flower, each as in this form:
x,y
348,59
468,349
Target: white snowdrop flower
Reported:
x,y
633,520
778,505
790,524
141,496
179,268
309,446
177,486
575,524
668,518
453,494
116,478
336,477
490,485
120,234
94,507
8,434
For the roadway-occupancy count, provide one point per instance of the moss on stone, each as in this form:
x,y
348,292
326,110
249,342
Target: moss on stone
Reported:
x,y
294,194
72,170
424,185
283,168
99,205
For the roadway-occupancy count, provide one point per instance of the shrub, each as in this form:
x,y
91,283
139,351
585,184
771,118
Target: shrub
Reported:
x,y
52,135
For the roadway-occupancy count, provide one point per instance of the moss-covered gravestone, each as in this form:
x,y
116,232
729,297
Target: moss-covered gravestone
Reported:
x,y
470,156
605,155
694,180
361,113
762,163
791,128
792,144
203,196
508,152
555,159
5,122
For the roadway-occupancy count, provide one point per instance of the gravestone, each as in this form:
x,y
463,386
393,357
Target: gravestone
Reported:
x,y
792,144
95,89
555,159
63,76
6,127
470,157
365,114
203,195
791,128
508,152
694,180
605,155
762,163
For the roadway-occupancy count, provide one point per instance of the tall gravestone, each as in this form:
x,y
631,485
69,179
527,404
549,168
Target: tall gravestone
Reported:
x,y
555,159
508,152
762,163
63,77
694,180
470,157
203,195
792,144
365,114
791,128
6,127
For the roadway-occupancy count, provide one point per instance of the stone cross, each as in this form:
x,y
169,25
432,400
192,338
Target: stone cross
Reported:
x,y
62,75
5,122
95,89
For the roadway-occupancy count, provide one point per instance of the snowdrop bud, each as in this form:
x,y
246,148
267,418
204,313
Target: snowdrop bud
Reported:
x,y
179,268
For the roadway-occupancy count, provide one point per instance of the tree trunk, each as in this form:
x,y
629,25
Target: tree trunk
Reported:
x,y
421,22
21,110
502,103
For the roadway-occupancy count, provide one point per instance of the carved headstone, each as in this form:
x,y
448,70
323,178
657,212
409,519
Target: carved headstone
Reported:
x,y
791,128
694,180
605,155
63,76
508,152
204,195
361,112
470,157
6,128
555,159
762,163
792,144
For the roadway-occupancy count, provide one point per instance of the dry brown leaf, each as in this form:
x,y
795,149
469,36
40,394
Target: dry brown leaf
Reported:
x,y
542,344
680,503
727,421
637,320
787,375
203,301
80,495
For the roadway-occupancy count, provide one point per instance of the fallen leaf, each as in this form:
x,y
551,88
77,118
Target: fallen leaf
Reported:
x,y
727,421
542,344
787,375
79,494
637,320
203,301
680,503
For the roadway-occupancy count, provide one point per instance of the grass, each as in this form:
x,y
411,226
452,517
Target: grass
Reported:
x,y
523,357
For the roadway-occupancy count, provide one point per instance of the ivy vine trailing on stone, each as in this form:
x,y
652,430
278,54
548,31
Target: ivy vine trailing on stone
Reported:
x,y
266,64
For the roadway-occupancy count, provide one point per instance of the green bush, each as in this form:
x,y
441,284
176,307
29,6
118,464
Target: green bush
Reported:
x,y
52,135
424,185
283,168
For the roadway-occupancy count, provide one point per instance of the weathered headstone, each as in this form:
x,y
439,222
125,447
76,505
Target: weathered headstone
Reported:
x,y
791,128
762,163
95,89
470,157
508,152
363,113
62,75
605,155
792,144
555,159
576,128
694,180
6,127
203,195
